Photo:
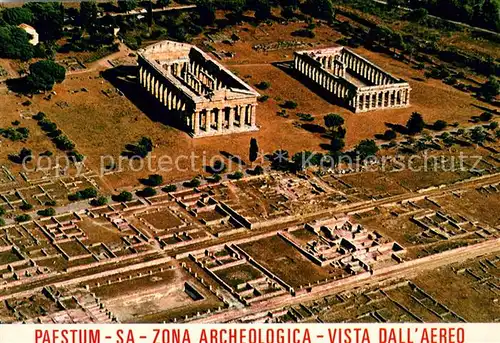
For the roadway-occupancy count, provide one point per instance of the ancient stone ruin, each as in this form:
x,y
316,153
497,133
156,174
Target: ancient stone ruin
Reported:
x,y
203,96
359,84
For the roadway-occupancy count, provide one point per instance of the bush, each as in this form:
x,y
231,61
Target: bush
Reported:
x,y
258,170
87,193
47,125
22,218
236,175
305,117
389,135
215,178
147,192
307,33
169,188
263,98
48,212
263,85
26,206
439,125
195,182
15,134
50,203
218,167
100,201
2,222
63,143
123,197
75,156
153,180
39,116
290,104
486,116
143,147
2,211
493,126
366,148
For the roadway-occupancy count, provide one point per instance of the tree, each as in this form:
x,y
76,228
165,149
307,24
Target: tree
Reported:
x,y
263,10
333,120
25,155
486,116
439,125
366,148
163,3
235,6
254,150
17,15
169,188
321,9
127,5
206,12
477,135
2,211
415,124
153,180
100,201
14,43
48,19
48,212
88,14
44,74
418,15
26,206
22,218
124,197
337,144
195,182
236,175
490,89
490,14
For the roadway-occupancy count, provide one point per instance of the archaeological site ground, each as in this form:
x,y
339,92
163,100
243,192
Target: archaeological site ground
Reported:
x,y
204,162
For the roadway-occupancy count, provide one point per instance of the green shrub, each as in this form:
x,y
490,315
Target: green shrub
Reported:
x,y
48,212
263,85
26,206
290,104
169,188
22,218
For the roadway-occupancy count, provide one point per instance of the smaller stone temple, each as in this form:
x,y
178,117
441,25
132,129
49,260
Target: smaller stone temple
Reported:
x,y
350,78
200,94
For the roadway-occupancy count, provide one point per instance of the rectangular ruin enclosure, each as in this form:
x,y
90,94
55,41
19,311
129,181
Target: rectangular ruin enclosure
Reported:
x,y
204,98
352,80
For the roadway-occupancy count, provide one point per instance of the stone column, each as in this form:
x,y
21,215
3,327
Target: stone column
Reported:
x,y
243,115
232,112
148,82
165,96
160,95
253,115
196,120
208,120
220,114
